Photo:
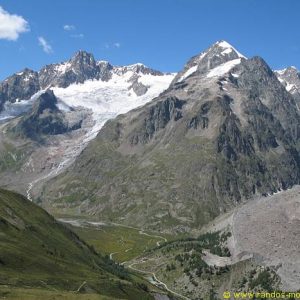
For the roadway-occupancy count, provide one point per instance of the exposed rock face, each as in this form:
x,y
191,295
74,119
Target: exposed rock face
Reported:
x,y
222,133
44,119
20,86
157,118
78,69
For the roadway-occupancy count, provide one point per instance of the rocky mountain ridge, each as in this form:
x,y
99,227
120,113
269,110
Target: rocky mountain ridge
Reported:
x,y
290,78
80,68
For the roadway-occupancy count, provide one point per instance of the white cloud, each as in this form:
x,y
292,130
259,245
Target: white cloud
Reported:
x,y
11,26
117,45
69,27
78,36
45,45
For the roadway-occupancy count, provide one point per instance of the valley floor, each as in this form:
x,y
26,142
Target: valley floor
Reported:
x,y
263,234
263,231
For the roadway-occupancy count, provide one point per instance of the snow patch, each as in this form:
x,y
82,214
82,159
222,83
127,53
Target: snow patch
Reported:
x,y
224,68
227,51
62,106
61,68
290,87
189,72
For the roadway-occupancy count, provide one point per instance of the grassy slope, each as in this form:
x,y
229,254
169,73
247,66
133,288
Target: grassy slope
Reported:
x,y
126,243
38,293
38,252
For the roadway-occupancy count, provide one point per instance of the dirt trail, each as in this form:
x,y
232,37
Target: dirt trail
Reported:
x,y
154,280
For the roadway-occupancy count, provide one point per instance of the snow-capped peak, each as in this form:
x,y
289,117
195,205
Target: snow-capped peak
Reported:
x,y
213,61
227,48
291,69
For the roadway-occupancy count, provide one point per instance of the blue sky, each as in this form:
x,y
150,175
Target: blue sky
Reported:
x,y
162,34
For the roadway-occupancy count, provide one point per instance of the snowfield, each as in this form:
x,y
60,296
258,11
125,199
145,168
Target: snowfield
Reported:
x,y
107,99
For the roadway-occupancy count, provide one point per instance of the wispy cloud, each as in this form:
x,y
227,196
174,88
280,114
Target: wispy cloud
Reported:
x,y
77,36
45,45
11,26
112,45
69,27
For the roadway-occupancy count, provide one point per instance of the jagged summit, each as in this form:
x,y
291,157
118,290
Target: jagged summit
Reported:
x,y
82,66
24,72
83,53
221,49
83,58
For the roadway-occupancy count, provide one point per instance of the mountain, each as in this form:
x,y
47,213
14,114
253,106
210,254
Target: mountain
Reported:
x,y
225,131
41,134
38,252
290,78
